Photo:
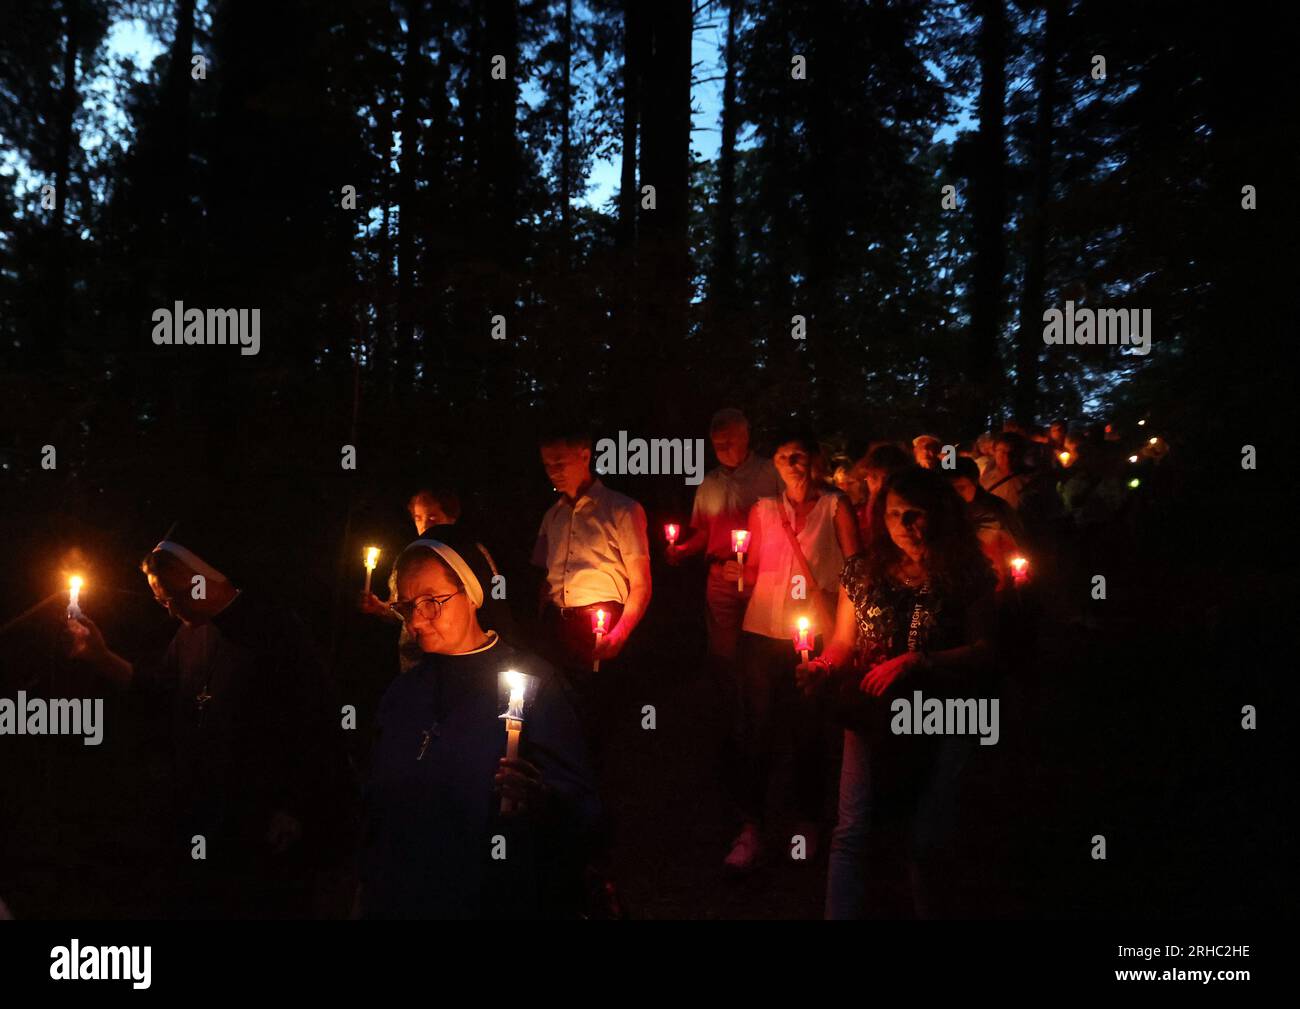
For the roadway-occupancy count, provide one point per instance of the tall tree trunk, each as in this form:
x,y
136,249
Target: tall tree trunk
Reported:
x,y
663,265
1029,341
407,214
178,146
56,302
634,29
566,149
989,208
501,166
723,287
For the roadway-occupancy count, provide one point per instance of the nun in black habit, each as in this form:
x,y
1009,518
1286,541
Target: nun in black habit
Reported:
x,y
437,843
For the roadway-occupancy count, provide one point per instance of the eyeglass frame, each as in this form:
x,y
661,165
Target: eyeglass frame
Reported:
x,y
414,605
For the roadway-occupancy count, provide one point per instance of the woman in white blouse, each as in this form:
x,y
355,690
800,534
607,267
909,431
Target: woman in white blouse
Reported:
x,y
798,542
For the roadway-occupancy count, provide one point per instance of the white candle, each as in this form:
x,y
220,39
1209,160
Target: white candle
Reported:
x,y
514,718
372,558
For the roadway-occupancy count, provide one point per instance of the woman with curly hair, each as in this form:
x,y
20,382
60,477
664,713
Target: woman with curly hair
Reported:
x,y
915,612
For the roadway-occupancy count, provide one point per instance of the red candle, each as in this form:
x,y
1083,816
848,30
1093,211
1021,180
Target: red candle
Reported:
x,y
803,637
670,533
1019,570
739,540
598,627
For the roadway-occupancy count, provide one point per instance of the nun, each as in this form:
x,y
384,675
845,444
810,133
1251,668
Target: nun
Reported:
x,y
455,829
258,772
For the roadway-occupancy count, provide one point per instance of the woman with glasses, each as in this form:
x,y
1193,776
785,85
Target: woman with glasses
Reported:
x,y
454,828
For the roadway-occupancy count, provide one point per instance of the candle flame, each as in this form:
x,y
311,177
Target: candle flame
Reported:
x,y
1018,564
1065,458
1153,441
803,624
372,558
1142,423
599,626
738,538
1132,458
670,531
516,681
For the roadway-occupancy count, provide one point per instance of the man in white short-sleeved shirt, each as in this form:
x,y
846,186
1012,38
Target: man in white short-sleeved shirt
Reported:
x,y
593,545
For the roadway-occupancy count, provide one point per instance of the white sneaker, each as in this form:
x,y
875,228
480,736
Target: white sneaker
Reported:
x,y
746,850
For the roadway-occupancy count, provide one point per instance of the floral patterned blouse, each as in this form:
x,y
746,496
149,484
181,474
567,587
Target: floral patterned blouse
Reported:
x,y
894,618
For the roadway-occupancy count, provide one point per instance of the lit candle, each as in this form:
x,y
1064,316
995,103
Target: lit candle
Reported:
x,y
1132,458
1065,458
670,533
514,719
739,540
372,558
803,639
1019,570
1142,423
598,627
1153,441
74,597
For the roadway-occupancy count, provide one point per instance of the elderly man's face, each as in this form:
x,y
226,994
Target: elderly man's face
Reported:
x,y
926,454
567,467
731,444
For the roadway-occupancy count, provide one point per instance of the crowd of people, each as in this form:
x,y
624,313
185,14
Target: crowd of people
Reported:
x,y
901,563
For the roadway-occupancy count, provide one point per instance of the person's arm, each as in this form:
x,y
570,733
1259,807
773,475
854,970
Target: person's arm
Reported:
x,y
846,527
698,540
88,645
951,668
540,560
635,548
689,547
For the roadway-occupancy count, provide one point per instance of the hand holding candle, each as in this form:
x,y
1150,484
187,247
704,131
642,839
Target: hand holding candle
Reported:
x,y
739,542
599,625
372,558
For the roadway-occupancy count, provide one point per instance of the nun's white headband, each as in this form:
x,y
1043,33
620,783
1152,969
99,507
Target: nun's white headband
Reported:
x,y
473,588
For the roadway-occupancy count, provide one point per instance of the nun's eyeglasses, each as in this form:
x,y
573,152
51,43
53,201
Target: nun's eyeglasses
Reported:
x,y
428,607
